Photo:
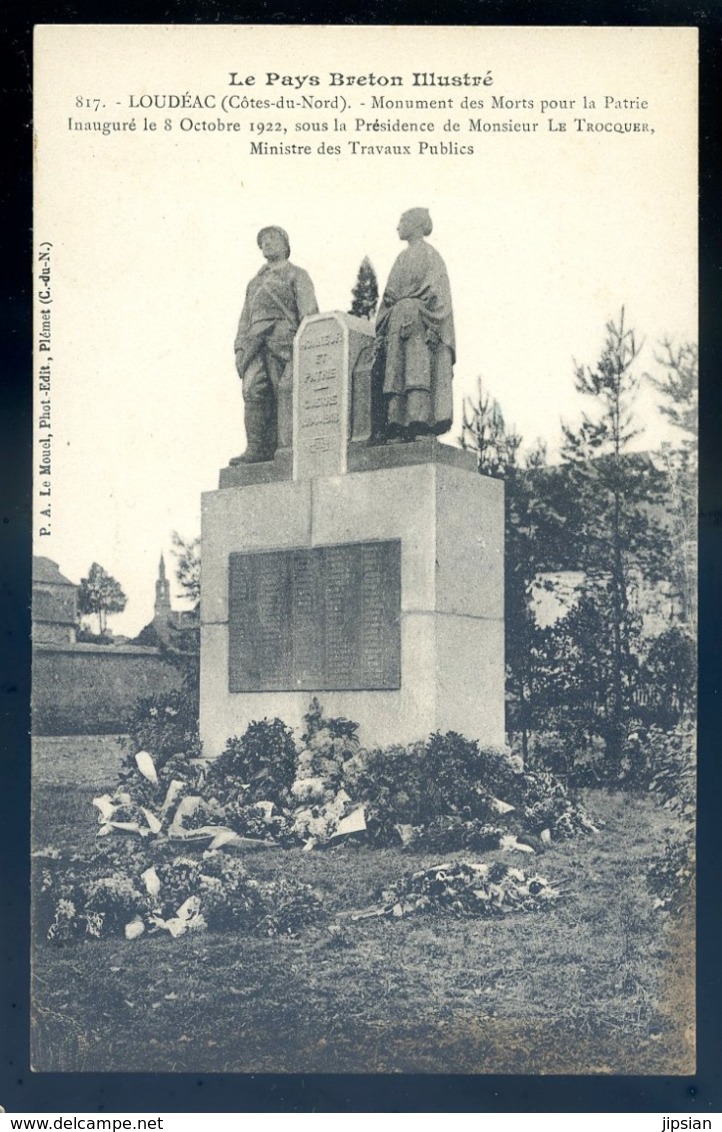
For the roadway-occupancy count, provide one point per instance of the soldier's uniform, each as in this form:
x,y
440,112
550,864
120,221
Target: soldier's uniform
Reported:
x,y
277,299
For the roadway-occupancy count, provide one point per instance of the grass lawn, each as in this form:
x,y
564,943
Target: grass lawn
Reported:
x,y
601,983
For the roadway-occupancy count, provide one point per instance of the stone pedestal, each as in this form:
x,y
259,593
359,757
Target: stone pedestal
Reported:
x,y
449,522
373,577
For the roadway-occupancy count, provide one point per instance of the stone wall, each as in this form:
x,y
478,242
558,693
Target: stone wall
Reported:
x,y
92,689
50,632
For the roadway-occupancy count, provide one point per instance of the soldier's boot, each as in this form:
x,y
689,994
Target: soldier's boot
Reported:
x,y
260,434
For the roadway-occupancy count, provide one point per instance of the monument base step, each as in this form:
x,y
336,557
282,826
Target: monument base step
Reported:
x,y
364,456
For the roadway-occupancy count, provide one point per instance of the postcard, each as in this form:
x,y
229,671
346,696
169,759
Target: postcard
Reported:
x,y
364,568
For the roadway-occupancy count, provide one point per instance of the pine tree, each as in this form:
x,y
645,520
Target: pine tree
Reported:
x,y
679,389
613,514
530,522
484,432
366,291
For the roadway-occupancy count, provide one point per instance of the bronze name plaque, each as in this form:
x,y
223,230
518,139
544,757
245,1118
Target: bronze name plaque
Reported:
x,y
316,619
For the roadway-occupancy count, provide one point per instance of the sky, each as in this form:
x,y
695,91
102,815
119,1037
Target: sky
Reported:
x,y
545,235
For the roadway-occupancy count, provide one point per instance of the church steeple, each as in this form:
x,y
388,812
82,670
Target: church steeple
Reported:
x,y
162,592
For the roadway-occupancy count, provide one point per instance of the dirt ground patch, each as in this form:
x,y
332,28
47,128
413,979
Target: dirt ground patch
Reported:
x,y
84,760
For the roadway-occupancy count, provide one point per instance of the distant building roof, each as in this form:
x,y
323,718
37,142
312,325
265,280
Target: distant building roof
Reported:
x,y
45,570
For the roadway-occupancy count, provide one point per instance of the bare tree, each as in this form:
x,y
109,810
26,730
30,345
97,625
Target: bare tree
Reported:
x,y
100,595
187,553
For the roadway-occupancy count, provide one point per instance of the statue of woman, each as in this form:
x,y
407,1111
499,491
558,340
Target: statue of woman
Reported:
x,y
415,336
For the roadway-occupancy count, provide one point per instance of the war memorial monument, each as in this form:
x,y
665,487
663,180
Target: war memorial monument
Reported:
x,y
348,553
